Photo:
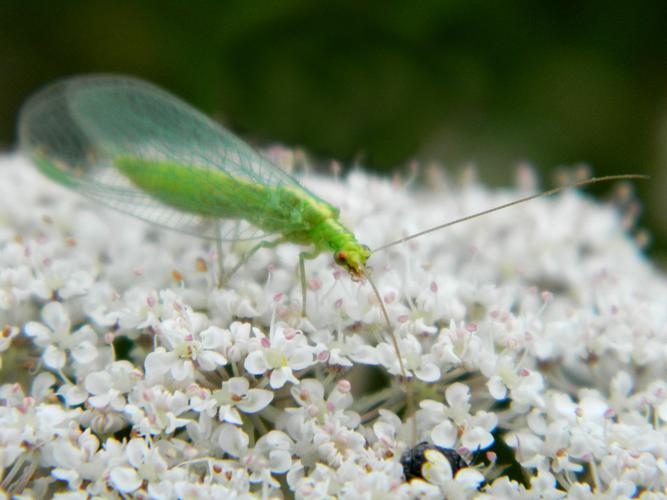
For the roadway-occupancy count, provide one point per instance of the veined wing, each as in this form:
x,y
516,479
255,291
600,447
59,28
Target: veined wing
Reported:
x,y
79,131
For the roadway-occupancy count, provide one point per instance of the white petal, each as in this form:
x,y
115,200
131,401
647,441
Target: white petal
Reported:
x,y
444,434
72,394
54,357
237,385
136,452
470,478
432,406
41,385
308,390
125,479
77,283
212,337
437,469
662,411
274,440
102,400
98,382
476,438
210,360
365,354
497,388
232,440
280,461
40,332
55,316
84,353
301,359
281,376
256,400
457,394
69,475
428,372
278,378
157,363
230,414
255,363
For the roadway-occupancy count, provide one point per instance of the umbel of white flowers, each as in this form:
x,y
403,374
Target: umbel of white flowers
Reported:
x,y
127,371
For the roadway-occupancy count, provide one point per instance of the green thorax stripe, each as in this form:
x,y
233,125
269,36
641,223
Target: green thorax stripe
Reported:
x,y
214,193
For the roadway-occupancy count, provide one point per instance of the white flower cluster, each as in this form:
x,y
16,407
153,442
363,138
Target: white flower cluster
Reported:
x,y
534,340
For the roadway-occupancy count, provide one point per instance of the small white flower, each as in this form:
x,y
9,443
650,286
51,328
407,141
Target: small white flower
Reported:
x,y
154,410
125,479
55,337
281,353
422,365
453,420
235,395
109,387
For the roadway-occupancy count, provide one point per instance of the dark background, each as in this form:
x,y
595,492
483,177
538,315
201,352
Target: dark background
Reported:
x,y
555,83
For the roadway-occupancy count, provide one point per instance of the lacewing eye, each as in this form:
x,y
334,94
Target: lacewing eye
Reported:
x,y
340,258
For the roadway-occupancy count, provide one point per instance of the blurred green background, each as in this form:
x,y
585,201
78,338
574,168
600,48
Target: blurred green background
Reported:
x,y
494,83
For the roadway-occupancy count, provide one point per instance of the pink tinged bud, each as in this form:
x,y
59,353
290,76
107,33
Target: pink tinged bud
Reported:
x,y
271,268
491,456
524,372
344,386
138,271
265,342
330,407
609,413
314,284
338,304
278,297
313,410
150,301
471,327
547,296
434,287
290,333
323,356
403,318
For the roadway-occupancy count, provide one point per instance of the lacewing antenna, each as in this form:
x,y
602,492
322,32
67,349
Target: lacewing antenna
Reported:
x,y
549,192
409,395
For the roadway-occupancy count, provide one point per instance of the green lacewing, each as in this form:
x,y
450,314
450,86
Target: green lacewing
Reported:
x,y
138,149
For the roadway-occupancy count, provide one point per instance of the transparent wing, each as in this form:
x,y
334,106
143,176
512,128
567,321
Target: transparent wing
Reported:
x,y
77,128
